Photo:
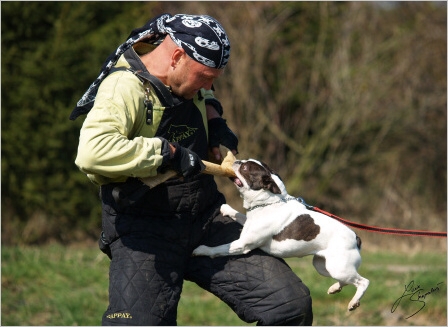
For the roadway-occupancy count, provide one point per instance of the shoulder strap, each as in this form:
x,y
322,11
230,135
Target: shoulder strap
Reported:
x,y
162,91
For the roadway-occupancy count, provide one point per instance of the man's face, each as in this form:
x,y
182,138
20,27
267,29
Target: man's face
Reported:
x,y
189,76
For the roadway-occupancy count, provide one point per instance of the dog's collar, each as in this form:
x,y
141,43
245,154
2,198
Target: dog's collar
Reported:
x,y
268,204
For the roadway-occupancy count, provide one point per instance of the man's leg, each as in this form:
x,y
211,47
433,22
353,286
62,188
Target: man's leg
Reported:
x,y
146,274
257,286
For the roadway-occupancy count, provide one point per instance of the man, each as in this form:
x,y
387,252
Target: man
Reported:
x,y
152,109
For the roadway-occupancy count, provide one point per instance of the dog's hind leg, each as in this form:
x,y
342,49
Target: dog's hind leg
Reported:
x,y
343,268
336,288
361,284
319,263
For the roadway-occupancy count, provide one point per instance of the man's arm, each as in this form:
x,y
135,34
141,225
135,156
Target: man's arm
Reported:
x,y
105,146
219,133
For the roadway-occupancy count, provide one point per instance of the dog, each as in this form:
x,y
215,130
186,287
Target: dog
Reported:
x,y
282,226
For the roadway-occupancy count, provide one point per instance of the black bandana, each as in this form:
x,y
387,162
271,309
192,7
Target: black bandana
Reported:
x,y
202,38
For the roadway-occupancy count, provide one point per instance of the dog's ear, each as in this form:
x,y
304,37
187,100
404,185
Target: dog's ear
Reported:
x,y
273,172
270,185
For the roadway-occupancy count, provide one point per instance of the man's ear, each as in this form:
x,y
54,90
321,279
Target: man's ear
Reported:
x,y
177,56
270,185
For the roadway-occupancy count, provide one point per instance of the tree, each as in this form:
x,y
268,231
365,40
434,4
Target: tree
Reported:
x,y
48,51
346,100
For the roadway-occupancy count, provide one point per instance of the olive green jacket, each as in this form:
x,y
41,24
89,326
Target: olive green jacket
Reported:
x,y
115,141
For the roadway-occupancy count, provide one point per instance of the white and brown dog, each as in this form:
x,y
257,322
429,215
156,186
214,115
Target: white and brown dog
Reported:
x,y
280,225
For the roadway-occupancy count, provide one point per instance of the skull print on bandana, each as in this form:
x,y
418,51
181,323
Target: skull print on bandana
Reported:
x,y
201,36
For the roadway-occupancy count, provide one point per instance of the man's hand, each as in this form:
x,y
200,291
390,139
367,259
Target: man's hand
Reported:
x,y
185,161
220,134
218,131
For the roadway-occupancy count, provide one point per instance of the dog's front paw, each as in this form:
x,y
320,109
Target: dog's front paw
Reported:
x,y
202,250
227,210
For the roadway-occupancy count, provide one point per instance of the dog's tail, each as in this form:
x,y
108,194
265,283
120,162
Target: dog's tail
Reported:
x,y
358,242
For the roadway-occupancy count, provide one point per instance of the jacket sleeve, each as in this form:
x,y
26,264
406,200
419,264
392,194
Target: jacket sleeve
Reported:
x,y
107,150
210,99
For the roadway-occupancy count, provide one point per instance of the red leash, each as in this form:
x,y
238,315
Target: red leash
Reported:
x,y
395,231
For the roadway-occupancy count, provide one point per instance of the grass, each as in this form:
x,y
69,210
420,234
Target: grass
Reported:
x,y
56,285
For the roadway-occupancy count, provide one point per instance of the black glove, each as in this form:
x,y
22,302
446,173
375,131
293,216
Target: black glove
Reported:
x,y
186,162
220,133
166,154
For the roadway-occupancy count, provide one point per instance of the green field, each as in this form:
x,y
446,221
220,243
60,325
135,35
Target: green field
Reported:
x,y
56,285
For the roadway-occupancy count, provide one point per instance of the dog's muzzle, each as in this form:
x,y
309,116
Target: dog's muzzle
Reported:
x,y
236,166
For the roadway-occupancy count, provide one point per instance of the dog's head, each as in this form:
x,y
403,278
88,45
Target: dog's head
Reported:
x,y
256,181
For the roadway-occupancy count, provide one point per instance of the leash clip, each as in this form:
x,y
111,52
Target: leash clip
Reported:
x,y
302,201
